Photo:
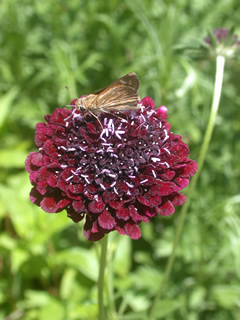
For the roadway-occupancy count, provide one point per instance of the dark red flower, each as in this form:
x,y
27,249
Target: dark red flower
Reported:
x,y
127,172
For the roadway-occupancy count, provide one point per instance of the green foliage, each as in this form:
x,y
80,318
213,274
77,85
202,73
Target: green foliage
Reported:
x,y
47,268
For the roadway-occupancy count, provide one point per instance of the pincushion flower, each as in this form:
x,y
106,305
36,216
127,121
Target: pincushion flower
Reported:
x,y
222,41
129,171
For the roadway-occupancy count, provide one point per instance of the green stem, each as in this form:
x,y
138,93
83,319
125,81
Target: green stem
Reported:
x,y
101,311
220,61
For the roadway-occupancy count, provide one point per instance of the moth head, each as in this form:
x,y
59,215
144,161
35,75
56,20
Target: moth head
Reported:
x,y
80,105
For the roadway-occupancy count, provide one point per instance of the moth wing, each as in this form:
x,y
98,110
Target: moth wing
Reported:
x,y
122,94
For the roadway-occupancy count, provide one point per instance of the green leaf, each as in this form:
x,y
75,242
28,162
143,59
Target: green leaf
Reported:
x,y
35,298
18,257
53,310
122,256
6,103
12,158
226,296
67,283
81,259
165,307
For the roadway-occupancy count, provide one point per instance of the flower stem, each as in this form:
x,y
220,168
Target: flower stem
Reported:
x,y
101,311
220,61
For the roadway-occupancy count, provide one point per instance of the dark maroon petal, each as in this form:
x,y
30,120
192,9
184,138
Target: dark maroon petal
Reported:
x,y
106,221
133,231
43,133
76,188
49,205
190,169
75,216
116,204
50,148
59,116
166,209
148,102
91,128
37,159
78,206
28,162
35,196
120,230
33,177
62,204
52,181
167,188
183,183
134,214
123,214
143,200
93,236
96,206
178,199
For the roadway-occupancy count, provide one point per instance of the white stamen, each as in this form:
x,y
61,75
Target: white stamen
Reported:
x,y
118,136
130,185
167,150
69,178
71,149
143,181
155,159
106,144
102,186
87,180
110,123
166,164
105,170
103,132
166,135
154,173
112,175
74,173
115,190
113,184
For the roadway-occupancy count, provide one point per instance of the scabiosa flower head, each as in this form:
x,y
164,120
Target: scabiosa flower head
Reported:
x,y
117,176
223,42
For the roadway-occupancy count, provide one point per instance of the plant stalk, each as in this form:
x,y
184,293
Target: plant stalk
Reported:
x,y
101,311
220,61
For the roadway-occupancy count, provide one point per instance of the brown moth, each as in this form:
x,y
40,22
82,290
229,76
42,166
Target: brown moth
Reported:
x,y
122,95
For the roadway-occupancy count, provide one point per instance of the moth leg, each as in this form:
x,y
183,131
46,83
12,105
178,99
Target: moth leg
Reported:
x,y
96,118
113,114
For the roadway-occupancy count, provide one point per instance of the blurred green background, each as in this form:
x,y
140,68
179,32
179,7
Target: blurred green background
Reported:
x,y
47,269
